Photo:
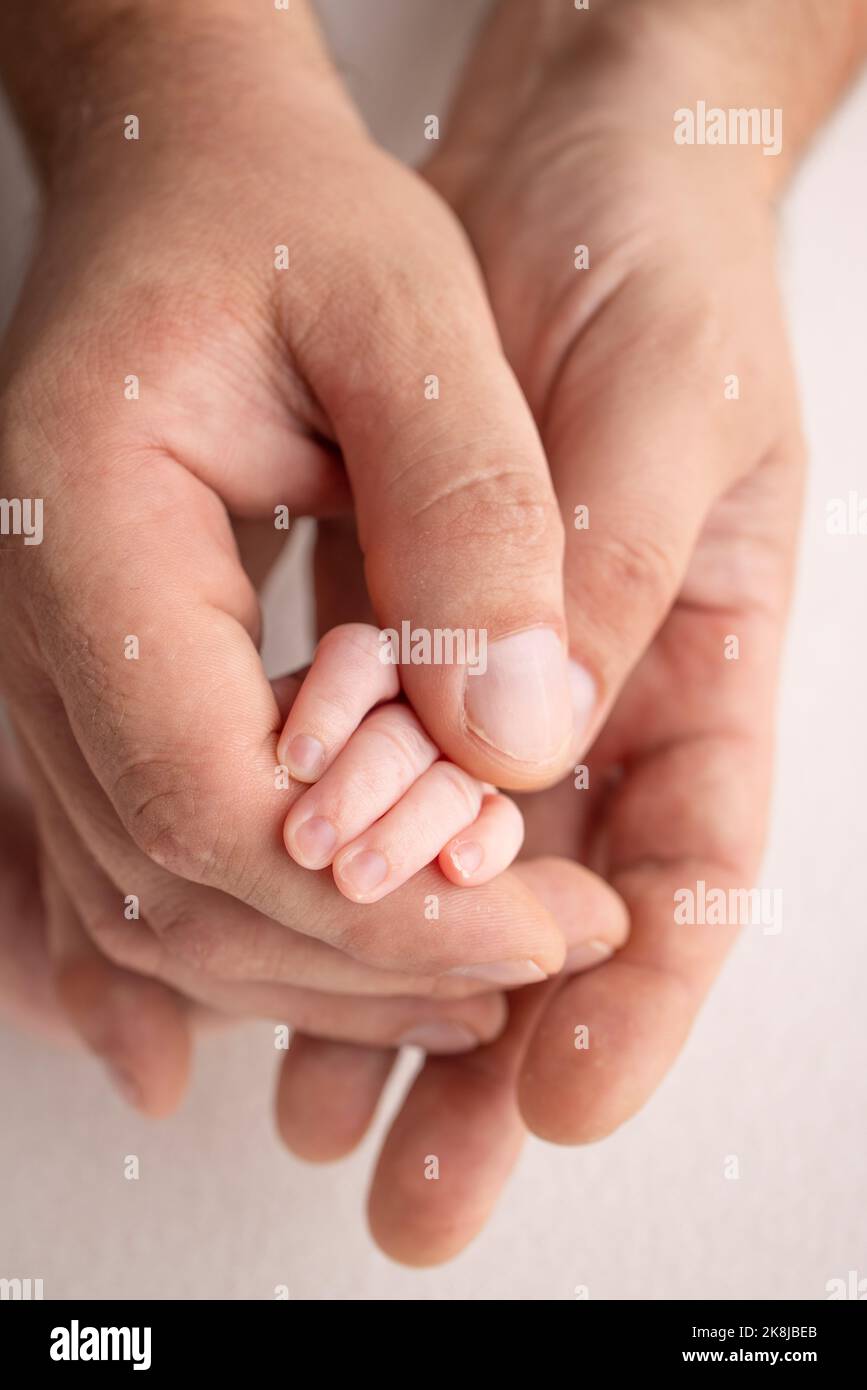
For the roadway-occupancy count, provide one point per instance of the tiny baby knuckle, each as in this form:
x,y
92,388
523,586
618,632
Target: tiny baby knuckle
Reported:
x,y
329,639
464,788
362,638
405,741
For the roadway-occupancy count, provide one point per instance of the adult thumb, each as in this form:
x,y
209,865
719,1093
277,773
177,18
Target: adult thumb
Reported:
x,y
457,518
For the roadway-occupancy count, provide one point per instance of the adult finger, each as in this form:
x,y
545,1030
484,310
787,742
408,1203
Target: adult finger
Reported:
x,y
138,1027
116,1008
134,951
640,454
458,1133
327,1095
456,514
462,928
684,828
452,1146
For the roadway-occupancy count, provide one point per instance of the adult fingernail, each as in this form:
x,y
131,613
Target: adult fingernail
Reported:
x,y
305,757
314,840
583,690
125,1082
522,703
506,973
440,1037
466,857
363,871
587,954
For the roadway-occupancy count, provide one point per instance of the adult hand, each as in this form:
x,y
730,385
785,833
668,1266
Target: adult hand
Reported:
x,y
660,381
165,375
55,980
56,983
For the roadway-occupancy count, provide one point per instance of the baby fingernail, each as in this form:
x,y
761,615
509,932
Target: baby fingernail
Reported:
x,y
440,1037
363,871
466,857
305,757
506,973
315,839
522,704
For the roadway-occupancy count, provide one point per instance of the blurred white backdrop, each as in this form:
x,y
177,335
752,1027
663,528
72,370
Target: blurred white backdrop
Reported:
x,y
776,1069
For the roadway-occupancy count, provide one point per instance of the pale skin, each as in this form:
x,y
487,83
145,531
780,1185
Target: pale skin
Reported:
x,y
694,501
382,803
168,781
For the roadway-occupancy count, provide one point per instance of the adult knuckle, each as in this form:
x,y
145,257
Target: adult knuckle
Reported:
x,y
348,928
697,323
164,812
502,503
196,942
639,567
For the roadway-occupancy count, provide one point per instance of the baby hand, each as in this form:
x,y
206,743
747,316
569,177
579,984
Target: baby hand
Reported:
x,y
384,802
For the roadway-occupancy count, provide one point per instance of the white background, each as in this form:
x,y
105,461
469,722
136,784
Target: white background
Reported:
x,y
775,1069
